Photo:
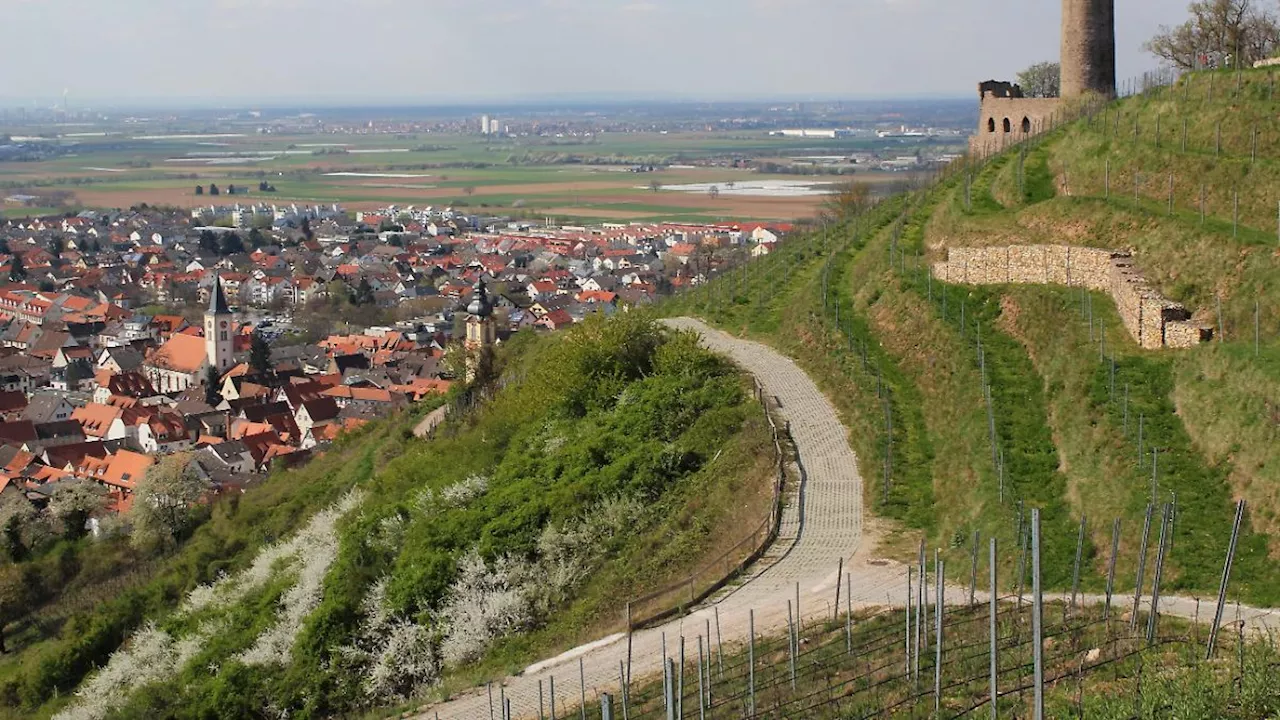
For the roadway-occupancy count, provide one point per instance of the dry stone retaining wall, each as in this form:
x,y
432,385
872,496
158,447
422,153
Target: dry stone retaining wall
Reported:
x,y
1153,320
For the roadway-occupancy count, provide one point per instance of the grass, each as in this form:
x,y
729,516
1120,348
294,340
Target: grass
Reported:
x,y
455,162
1092,667
1217,398
55,656
615,409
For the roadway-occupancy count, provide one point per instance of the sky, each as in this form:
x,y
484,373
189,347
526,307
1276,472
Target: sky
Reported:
x,y
440,51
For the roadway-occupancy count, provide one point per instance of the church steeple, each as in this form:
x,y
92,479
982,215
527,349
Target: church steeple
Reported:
x,y
219,343
218,298
481,331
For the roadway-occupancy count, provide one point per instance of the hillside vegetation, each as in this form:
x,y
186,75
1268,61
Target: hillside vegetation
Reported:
x,y
613,459
971,404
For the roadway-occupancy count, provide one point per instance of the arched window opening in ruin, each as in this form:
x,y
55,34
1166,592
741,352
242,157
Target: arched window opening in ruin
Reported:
x,y
1008,127
991,124
1026,124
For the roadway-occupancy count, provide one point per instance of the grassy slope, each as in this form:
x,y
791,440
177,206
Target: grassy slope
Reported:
x,y
53,663
722,458
1122,680
1209,408
1067,445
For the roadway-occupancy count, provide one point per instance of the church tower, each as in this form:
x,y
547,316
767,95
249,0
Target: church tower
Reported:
x,y
1088,47
219,343
481,333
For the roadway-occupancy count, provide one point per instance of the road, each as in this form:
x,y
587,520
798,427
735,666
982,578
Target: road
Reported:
x,y
817,532
824,528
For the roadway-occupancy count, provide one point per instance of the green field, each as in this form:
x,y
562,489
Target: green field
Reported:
x,y
584,178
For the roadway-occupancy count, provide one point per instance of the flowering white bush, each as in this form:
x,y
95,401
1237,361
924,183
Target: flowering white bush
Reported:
x,y
226,590
566,554
399,654
483,604
151,655
463,492
314,549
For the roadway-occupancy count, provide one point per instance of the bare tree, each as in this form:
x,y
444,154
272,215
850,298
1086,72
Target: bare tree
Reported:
x,y
1219,33
848,199
1042,80
714,191
655,185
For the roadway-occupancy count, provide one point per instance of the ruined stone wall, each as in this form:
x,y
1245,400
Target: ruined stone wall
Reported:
x,y
1153,320
1005,121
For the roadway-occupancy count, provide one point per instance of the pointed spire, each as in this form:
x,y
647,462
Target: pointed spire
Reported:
x,y
218,299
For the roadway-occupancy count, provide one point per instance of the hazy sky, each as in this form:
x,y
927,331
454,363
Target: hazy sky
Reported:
x,y
432,51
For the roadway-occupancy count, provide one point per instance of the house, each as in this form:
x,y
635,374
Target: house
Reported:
x,y
164,433
101,422
13,405
555,320
120,359
233,456
57,434
368,398
121,470
133,385
48,407
313,412
18,433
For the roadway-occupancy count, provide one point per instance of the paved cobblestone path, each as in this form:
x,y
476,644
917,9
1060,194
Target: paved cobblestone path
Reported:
x,y
821,528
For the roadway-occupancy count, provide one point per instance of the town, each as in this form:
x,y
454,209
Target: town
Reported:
x,y
252,336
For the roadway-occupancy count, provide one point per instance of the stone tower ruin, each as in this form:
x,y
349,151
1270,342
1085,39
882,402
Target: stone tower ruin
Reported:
x,y
1088,47
1088,66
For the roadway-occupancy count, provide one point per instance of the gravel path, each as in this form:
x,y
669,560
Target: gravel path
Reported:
x,y
820,530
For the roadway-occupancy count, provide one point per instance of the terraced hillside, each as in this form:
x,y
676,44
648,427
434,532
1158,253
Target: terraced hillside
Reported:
x,y
970,401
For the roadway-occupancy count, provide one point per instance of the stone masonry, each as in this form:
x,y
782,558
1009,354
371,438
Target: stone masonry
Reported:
x,y
1088,47
1153,320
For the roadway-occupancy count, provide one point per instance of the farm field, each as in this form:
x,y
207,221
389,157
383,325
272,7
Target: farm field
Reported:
x,y
565,179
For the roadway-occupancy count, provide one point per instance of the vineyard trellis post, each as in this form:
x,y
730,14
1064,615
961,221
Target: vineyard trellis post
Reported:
x,y
973,567
835,614
582,685
994,634
1111,568
751,661
791,647
668,690
1142,568
702,690
1075,571
626,691
1037,615
910,601
1166,536
939,584
1226,577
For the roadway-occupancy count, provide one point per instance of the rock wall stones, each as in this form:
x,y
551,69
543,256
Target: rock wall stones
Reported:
x,y
1153,320
1088,47
1006,118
